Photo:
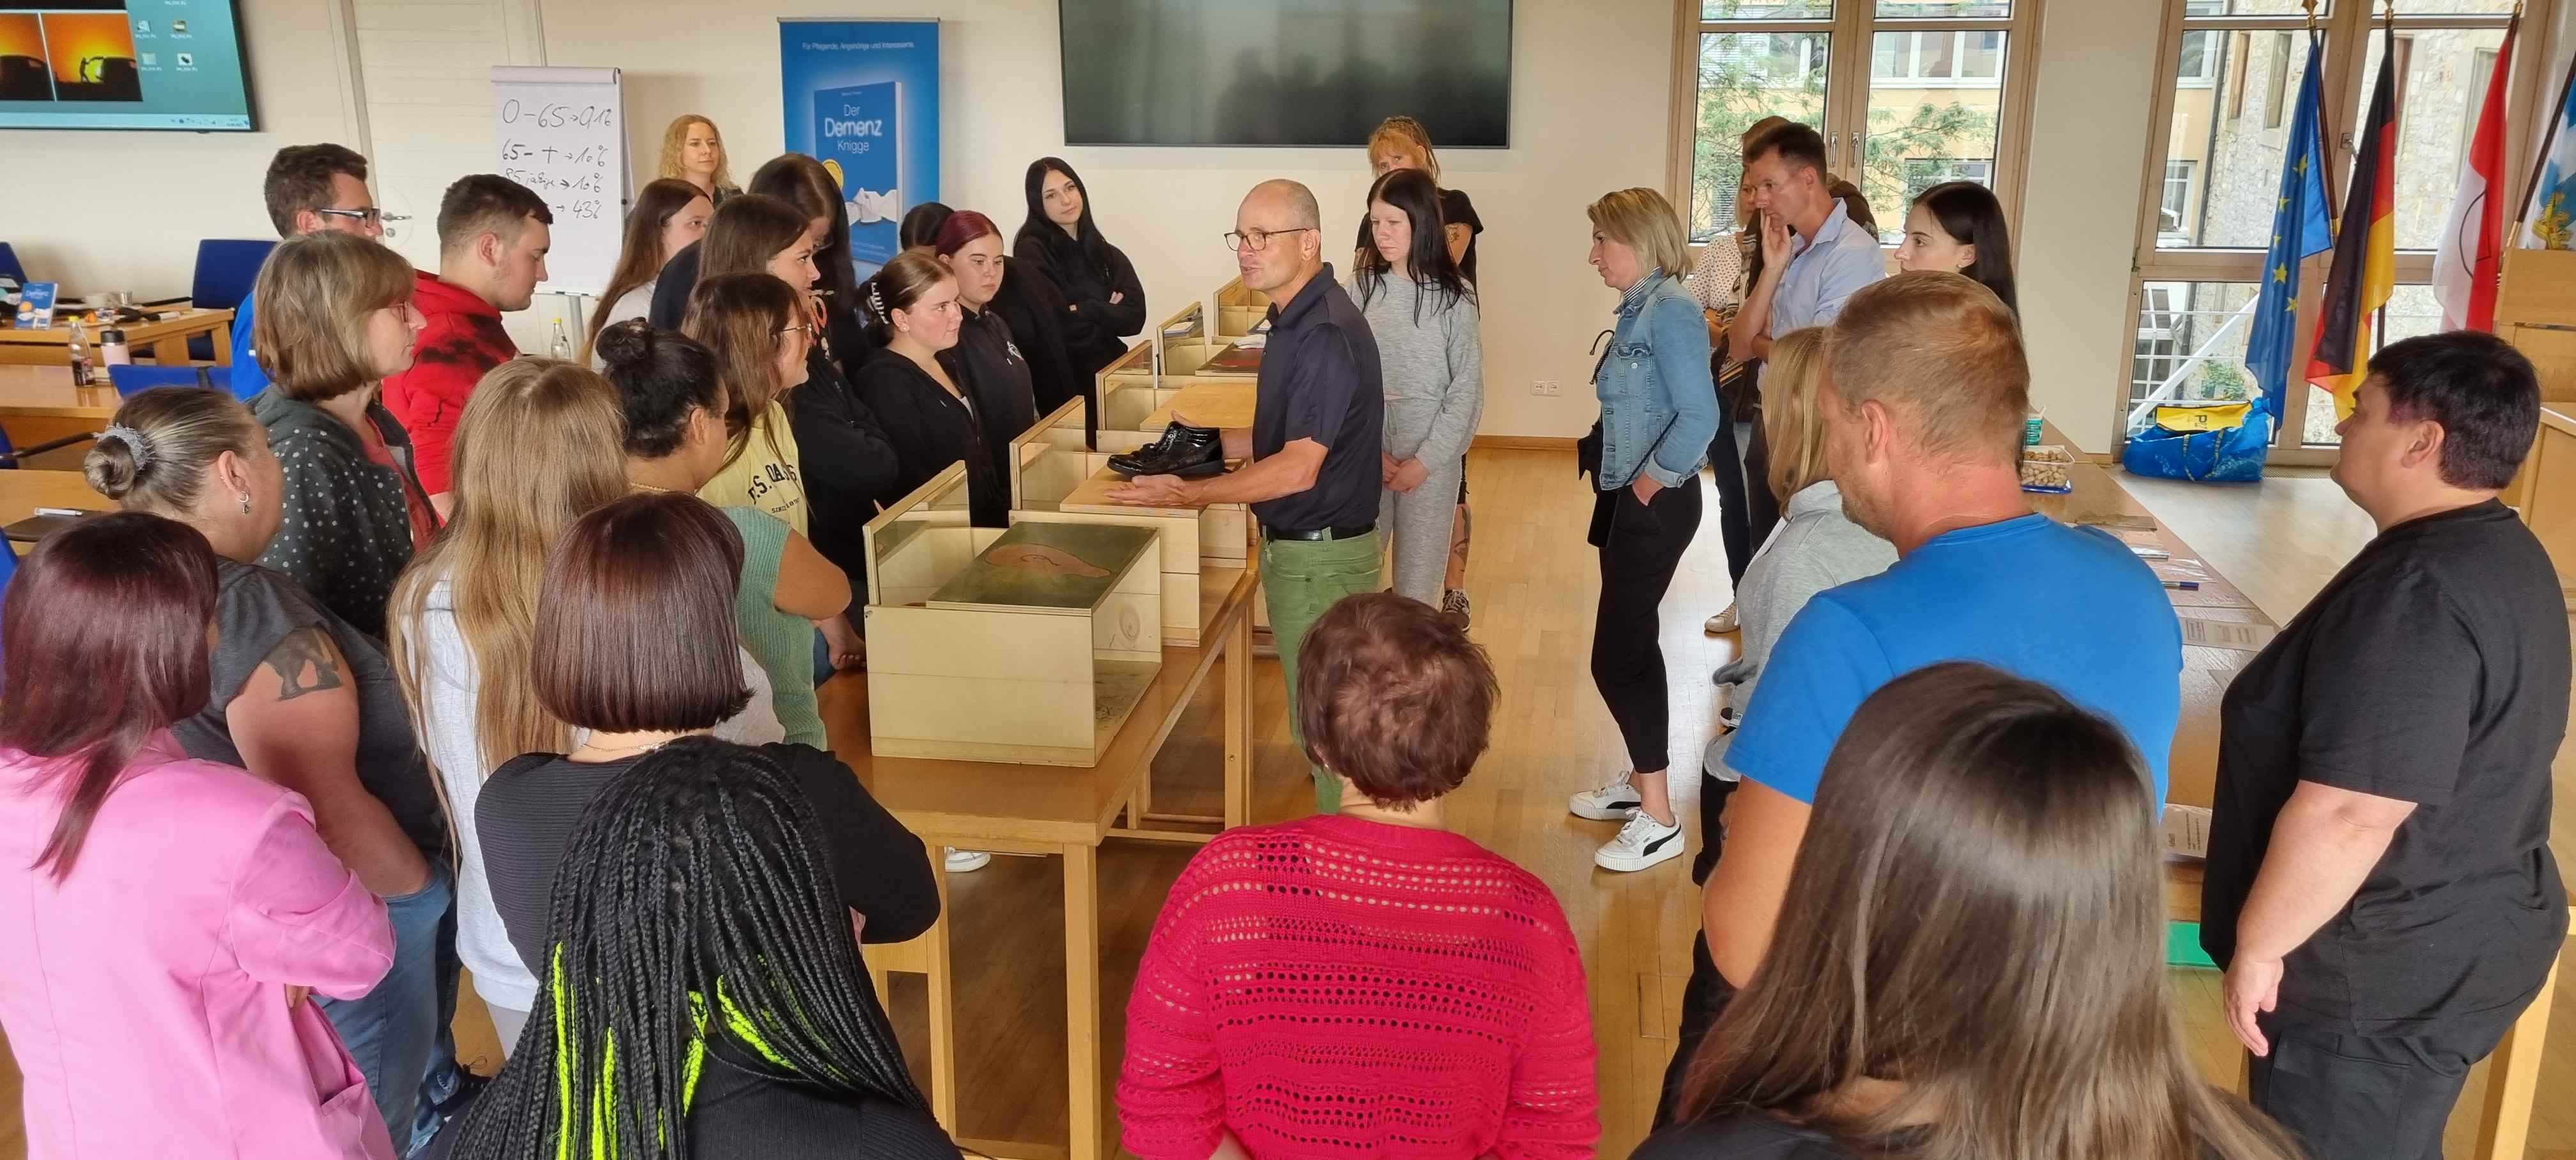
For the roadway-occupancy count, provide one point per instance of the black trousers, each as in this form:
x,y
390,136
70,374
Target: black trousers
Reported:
x,y
1641,545
2382,1097
1728,467
1703,999
1761,508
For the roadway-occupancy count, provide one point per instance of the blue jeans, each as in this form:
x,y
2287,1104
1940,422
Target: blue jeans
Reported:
x,y
398,1032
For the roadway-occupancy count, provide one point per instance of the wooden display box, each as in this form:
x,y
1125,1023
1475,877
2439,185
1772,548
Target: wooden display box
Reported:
x,y
1239,309
1056,622
1204,551
1142,382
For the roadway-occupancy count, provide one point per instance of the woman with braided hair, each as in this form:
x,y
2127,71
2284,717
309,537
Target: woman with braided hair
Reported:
x,y
702,995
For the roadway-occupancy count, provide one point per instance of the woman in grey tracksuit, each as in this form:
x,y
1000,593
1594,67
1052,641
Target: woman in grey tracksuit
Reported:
x,y
1422,311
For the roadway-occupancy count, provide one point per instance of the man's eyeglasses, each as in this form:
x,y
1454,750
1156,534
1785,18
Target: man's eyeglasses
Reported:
x,y
1257,240
370,216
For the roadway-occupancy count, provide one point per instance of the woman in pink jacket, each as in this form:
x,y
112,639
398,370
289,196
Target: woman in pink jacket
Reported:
x,y
162,919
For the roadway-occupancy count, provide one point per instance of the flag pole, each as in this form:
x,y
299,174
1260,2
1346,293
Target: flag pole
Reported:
x,y
2549,140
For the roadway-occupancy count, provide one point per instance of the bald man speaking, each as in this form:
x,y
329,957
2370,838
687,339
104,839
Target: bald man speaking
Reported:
x,y
1313,482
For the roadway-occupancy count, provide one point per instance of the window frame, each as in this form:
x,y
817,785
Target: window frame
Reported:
x,y
1854,24
2349,26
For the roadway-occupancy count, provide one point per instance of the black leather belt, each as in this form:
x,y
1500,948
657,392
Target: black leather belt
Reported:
x,y
1271,533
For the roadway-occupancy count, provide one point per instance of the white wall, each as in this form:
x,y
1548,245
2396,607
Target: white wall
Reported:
x,y
1591,89
102,210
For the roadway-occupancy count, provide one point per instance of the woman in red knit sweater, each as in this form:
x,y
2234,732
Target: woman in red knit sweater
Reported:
x,y
1365,982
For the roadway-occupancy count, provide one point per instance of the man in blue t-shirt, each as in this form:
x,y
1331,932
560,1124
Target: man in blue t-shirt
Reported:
x,y
1923,421
309,188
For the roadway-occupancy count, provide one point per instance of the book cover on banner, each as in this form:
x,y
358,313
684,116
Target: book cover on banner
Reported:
x,y
859,138
862,97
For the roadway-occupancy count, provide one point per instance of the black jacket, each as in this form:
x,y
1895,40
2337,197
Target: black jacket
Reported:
x,y
931,429
1095,329
849,466
1030,302
988,366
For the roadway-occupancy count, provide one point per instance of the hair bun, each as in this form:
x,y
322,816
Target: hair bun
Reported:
x,y
626,343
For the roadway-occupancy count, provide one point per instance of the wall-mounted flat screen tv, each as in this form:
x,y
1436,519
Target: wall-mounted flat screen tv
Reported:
x,y
123,64
1285,72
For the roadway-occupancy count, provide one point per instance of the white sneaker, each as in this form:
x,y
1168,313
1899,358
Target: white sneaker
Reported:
x,y
1641,843
962,861
1722,623
1609,803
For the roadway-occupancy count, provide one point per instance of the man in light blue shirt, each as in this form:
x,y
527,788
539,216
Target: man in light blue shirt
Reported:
x,y
1806,278
309,188
1923,410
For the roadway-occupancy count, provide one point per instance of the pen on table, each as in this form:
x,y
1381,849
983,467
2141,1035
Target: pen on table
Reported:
x,y
2183,585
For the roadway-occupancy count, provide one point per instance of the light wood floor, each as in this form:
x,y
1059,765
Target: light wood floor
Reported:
x,y
1534,585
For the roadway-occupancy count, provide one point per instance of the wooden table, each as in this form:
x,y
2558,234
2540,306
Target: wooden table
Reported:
x,y
39,403
166,339
1066,811
2192,766
22,492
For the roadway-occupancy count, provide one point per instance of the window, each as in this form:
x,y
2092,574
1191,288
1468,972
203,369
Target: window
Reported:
x,y
2215,179
1930,106
2236,90
2177,196
2276,88
2200,53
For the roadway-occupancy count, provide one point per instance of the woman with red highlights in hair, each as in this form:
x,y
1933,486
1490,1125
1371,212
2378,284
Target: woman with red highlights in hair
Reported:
x,y
988,363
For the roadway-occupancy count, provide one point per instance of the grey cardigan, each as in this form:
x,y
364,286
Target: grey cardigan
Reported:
x,y
1814,548
1433,367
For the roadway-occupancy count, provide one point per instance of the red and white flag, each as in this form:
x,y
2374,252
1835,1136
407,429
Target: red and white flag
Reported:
x,y
2470,259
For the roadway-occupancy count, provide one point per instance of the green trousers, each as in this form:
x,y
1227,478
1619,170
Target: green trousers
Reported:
x,y
1299,580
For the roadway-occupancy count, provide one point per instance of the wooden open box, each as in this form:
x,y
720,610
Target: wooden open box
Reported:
x,y
1239,309
1031,644
1139,386
1204,550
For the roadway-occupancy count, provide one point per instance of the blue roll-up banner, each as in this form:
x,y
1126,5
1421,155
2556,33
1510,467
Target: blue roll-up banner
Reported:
x,y
863,96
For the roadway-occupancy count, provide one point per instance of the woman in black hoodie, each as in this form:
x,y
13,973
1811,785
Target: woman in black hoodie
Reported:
x,y
989,363
931,417
1104,303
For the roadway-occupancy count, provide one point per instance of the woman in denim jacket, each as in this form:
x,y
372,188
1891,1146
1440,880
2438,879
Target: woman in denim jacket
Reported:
x,y
1658,413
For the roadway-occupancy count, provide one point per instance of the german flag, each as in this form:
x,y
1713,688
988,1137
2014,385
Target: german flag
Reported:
x,y
2365,253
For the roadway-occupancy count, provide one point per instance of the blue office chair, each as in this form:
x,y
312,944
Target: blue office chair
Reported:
x,y
9,266
131,377
226,268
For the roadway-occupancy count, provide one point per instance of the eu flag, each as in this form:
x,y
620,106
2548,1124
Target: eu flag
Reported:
x,y
2299,229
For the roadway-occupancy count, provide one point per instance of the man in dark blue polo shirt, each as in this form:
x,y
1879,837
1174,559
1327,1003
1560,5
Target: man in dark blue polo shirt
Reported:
x,y
1313,482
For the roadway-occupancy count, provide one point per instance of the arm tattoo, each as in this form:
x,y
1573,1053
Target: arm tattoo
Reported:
x,y
301,650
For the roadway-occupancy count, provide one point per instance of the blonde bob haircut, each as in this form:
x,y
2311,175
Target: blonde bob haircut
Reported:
x,y
676,136
315,294
1642,220
1792,422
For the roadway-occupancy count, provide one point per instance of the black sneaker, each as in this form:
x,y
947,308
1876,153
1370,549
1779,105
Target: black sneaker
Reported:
x,y
1183,450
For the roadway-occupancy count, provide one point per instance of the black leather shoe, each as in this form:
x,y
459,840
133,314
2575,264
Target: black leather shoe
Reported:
x,y
1183,450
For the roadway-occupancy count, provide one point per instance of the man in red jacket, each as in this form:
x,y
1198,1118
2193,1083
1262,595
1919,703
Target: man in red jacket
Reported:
x,y
492,240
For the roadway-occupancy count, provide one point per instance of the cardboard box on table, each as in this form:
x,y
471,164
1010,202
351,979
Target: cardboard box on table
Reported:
x,y
1203,551
1029,644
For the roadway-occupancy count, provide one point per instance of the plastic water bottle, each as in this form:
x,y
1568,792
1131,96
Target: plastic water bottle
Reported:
x,y
77,350
562,347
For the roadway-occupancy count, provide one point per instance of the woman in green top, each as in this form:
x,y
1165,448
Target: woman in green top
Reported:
x,y
675,441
